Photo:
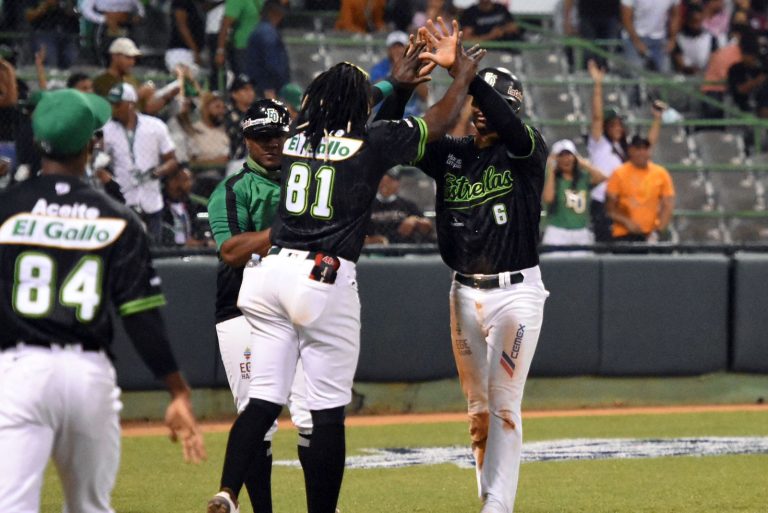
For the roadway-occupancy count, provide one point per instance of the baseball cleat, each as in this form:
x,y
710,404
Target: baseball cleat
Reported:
x,y
222,503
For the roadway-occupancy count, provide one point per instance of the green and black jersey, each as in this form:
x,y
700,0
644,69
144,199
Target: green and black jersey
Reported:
x,y
66,252
570,210
488,203
244,202
326,195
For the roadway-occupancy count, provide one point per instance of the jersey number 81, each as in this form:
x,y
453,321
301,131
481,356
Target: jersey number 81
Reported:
x,y
297,191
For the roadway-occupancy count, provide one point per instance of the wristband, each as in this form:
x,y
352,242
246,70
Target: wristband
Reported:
x,y
385,87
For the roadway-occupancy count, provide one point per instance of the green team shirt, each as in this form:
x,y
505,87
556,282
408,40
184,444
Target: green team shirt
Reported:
x,y
246,14
244,202
570,210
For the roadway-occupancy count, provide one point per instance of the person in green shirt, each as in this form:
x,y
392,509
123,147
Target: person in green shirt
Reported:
x,y
240,16
240,212
568,181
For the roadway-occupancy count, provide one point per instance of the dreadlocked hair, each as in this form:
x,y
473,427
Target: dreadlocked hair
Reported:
x,y
336,100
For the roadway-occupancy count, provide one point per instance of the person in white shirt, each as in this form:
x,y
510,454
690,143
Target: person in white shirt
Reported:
x,y
694,44
607,149
650,27
142,152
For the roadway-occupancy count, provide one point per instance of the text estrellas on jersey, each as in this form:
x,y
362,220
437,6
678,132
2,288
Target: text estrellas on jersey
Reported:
x,y
488,203
326,195
66,251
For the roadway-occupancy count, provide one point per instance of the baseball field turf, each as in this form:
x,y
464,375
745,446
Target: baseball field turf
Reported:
x,y
662,463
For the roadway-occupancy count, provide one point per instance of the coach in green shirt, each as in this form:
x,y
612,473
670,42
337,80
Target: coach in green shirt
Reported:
x,y
240,16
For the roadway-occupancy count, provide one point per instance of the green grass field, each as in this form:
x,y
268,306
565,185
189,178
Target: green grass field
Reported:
x,y
153,480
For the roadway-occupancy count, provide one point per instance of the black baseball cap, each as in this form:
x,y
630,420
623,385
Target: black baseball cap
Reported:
x,y
640,141
239,82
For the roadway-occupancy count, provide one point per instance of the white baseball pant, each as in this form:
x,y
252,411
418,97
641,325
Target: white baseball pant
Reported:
x,y
295,317
61,403
494,334
236,344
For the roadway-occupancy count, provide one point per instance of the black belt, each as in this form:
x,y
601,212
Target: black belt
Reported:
x,y
487,282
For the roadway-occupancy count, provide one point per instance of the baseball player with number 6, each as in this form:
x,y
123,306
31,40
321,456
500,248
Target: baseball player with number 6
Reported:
x,y
488,206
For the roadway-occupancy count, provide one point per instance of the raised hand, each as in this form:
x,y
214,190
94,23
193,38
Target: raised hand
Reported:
x,y
441,42
596,72
467,61
406,72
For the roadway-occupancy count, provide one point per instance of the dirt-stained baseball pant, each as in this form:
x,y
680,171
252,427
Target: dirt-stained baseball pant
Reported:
x,y
236,343
494,334
295,317
61,403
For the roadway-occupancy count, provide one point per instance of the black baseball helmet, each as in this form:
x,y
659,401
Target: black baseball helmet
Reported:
x,y
506,84
266,118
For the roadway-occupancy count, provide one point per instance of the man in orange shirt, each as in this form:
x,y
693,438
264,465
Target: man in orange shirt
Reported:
x,y
640,195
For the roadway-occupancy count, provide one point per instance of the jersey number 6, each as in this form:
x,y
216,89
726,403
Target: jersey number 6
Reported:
x,y
297,191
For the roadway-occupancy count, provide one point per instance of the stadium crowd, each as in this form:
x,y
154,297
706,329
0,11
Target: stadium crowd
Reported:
x,y
173,138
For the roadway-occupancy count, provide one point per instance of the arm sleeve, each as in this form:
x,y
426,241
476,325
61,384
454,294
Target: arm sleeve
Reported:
x,y
147,332
393,106
614,185
668,187
399,142
232,8
512,131
433,161
166,143
88,9
135,286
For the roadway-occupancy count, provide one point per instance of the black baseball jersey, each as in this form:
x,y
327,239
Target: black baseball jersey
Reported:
x,y
325,199
66,252
488,203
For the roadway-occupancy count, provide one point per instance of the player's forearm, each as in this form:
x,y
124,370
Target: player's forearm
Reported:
x,y
441,116
176,384
236,251
394,104
147,332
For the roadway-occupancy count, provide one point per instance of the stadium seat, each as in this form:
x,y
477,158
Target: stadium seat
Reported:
x,y
748,229
575,133
553,102
699,229
358,55
735,190
307,61
717,147
502,59
672,147
691,191
544,63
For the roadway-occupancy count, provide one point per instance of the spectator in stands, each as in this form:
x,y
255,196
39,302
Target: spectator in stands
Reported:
x,y
395,220
693,44
607,147
214,14
179,215
99,172
268,65
290,95
650,29
15,124
396,44
598,19
489,21
122,59
751,13
431,11
717,14
569,179
640,196
241,95
9,92
361,16
210,143
716,75
81,82
241,17
142,153
55,26
747,78
113,19
187,35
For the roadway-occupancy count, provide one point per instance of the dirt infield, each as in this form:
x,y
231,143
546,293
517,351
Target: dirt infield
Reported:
x,y
132,429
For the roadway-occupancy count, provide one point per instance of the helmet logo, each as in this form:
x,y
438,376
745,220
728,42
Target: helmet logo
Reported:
x,y
515,93
490,78
273,116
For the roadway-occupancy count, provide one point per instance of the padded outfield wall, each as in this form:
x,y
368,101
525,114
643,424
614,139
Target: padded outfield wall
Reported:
x,y
641,315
